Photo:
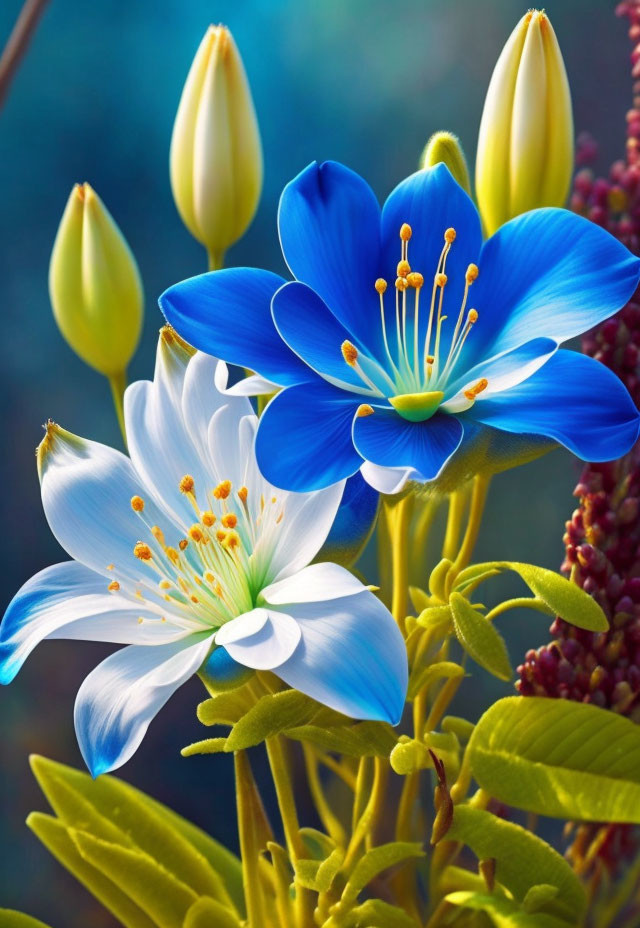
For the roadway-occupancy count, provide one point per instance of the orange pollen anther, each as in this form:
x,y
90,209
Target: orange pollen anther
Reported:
x,y
230,520
220,535
186,484
173,555
165,585
415,279
158,534
473,316
472,273
195,533
222,490
401,283
208,518
430,359
405,231
381,285
182,544
232,540
440,280
364,410
403,268
242,494
137,503
450,235
142,551
349,352
476,389
114,586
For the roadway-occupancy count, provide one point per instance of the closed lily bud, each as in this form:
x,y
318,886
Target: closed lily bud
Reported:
x,y
94,285
216,154
525,143
445,147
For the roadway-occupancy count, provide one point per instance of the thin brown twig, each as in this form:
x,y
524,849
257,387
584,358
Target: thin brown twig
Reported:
x,y
18,42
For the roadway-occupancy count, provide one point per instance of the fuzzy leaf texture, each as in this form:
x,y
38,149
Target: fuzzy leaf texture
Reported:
x,y
503,912
559,758
479,638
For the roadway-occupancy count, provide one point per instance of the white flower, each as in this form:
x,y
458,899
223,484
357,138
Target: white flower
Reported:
x,y
186,554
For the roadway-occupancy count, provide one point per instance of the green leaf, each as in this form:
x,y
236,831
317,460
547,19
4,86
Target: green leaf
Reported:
x,y
562,596
539,896
442,670
365,739
272,714
225,708
114,810
522,859
503,912
419,599
375,861
560,758
318,875
11,919
205,913
160,894
376,912
480,638
208,746
55,837
317,843
460,727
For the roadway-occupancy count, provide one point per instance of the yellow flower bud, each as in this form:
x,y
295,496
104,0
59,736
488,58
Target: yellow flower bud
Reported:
x,y
446,147
94,285
525,143
216,154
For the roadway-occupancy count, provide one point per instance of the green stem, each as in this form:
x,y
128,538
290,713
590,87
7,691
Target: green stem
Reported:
x,y
249,850
284,791
216,260
399,520
331,822
457,506
118,383
478,500
520,602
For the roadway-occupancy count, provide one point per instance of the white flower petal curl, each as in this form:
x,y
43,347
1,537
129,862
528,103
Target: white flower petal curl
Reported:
x,y
261,639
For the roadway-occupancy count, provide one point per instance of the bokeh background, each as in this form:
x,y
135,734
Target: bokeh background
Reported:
x,y
361,81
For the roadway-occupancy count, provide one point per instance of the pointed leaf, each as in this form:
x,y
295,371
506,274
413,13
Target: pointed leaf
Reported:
x,y
365,739
205,913
480,638
560,758
441,670
225,708
159,893
375,861
55,837
503,912
11,919
376,912
522,859
539,896
208,746
271,715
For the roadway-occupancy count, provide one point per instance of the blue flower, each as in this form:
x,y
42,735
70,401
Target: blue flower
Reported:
x,y
405,341
187,555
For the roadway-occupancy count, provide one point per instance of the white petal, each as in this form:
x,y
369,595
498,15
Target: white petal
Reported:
x,y
230,439
312,584
253,385
503,371
86,494
261,639
202,397
386,480
352,657
71,601
118,699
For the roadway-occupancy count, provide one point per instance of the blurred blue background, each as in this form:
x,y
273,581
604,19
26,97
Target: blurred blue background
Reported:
x,y
365,82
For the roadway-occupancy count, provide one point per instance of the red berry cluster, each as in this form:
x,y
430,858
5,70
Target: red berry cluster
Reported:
x,y
602,538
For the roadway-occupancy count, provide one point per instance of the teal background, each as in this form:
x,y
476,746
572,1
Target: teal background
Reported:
x,y
364,82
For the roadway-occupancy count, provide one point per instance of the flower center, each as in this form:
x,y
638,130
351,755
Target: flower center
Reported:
x,y
416,371
215,572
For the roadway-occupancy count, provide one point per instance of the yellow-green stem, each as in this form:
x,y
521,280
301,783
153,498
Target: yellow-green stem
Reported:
x,y
118,383
399,517
478,500
284,791
457,506
249,851
331,822
216,260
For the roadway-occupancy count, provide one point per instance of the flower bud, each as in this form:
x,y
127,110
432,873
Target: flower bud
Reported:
x,y
216,154
446,147
94,284
525,143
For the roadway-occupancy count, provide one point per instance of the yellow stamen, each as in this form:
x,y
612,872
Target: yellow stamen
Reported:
x,y
473,316
476,389
223,490
142,551
195,533
232,540
364,410
349,353
243,493
230,520
405,231
403,268
415,279
441,280
165,585
173,555
137,503
450,235
182,544
472,273
187,484
401,283
158,534
114,586
380,285
111,566
208,518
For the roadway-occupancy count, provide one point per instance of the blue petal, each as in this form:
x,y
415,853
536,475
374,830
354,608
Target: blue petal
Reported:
x,y
119,699
572,399
222,671
329,221
304,437
390,441
310,329
352,657
548,273
228,314
430,202
353,524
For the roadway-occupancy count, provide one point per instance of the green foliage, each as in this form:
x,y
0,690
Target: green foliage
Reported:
x,y
320,874
142,861
559,758
523,861
363,739
426,676
503,912
376,912
207,913
11,919
559,595
480,638
374,862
